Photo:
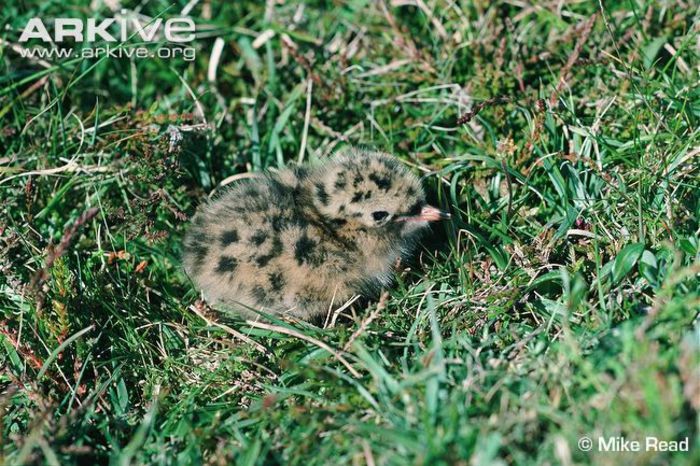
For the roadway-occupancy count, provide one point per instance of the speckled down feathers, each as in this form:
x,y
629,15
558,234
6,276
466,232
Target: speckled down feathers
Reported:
x,y
302,241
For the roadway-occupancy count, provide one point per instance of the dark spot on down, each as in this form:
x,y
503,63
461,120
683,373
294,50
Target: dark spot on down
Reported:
x,y
229,237
306,299
258,237
259,293
301,172
359,196
252,192
304,250
263,260
277,281
383,182
198,221
321,193
415,208
226,264
275,251
357,180
279,223
338,222
340,182
199,251
389,163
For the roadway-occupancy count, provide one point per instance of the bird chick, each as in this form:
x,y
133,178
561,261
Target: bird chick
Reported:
x,y
302,240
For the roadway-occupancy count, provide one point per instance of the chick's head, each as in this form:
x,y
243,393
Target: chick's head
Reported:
x,y
371,191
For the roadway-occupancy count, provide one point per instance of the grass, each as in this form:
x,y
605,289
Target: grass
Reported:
x,y
560,302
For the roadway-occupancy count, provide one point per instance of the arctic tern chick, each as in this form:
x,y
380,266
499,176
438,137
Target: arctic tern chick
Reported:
x,y
303,241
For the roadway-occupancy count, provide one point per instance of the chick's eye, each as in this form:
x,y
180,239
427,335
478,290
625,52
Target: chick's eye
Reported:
x,y
380,215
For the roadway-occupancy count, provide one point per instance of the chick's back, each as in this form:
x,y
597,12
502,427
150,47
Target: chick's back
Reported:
x,y
251,248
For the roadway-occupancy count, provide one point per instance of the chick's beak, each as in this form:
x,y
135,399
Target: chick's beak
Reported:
x,y
431,214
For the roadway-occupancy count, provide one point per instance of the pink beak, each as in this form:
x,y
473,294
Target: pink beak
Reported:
x,y
427,214
431,214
